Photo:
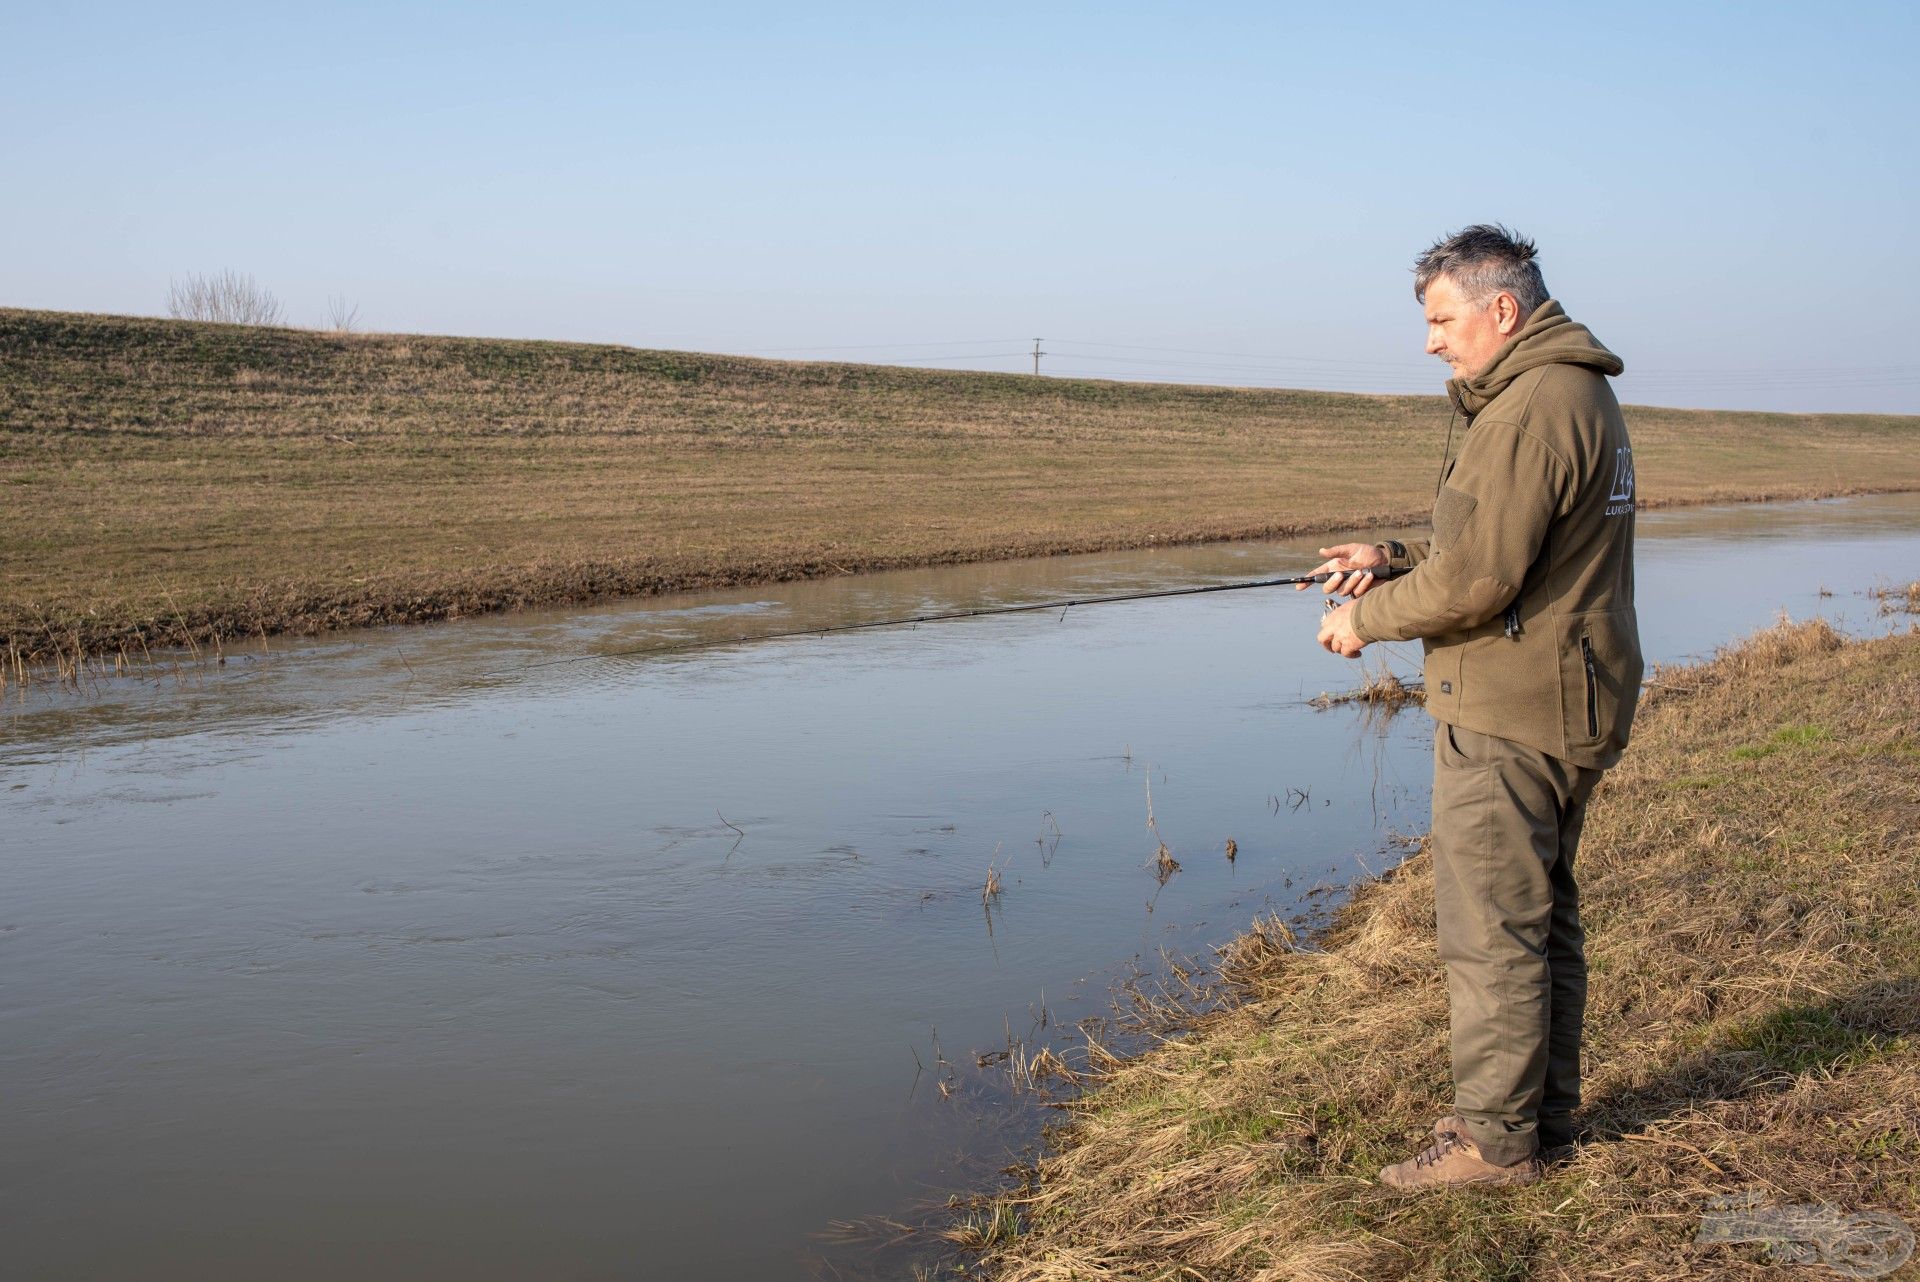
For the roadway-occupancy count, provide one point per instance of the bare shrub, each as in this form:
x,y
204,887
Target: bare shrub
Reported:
x,y
343,317
228,296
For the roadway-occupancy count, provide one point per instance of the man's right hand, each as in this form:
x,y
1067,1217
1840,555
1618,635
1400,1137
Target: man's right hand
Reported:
x,y
1359,558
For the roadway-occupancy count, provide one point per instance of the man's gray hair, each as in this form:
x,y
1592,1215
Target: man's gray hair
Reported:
x,y
1483,260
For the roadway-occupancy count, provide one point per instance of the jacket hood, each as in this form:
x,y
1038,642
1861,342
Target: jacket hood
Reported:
x,y
1548,338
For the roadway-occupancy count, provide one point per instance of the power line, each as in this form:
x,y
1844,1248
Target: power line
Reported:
x,y
1163,374
979,356
1776,369
1681,371
1192,351
1139,360
867,347
1376,377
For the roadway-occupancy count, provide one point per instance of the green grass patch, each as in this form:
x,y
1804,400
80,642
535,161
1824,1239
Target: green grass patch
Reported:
x,y
1805,736
1801,1038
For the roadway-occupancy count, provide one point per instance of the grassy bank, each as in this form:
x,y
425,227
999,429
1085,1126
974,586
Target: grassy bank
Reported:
x,y
166,478
1753,919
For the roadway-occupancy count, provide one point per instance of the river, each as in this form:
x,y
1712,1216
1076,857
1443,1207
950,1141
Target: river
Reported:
x,y
484,951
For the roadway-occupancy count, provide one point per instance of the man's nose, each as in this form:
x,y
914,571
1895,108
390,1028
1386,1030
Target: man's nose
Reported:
x,y
1433,342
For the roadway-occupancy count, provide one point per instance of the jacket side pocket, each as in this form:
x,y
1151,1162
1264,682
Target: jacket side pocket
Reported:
x,y
1600,669
1593,693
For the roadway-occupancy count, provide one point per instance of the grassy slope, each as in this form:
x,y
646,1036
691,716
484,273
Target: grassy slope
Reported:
x,y
161,475
1753,921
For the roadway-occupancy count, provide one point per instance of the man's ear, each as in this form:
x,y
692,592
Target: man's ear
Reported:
x,y
1506,314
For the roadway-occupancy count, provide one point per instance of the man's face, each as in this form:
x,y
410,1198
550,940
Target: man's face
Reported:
x,y
1465,334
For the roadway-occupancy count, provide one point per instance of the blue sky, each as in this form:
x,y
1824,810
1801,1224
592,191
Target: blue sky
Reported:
x,y
1232,193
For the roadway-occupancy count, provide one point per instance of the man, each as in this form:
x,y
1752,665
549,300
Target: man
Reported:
x,y
1523,599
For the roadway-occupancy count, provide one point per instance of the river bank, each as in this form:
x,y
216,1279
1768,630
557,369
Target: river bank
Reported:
x,y
170,483
1751,907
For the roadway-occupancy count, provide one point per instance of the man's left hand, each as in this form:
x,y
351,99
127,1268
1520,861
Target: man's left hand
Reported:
x,y
1337,634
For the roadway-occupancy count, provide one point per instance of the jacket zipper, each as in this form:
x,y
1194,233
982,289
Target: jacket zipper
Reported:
x,y
1593,711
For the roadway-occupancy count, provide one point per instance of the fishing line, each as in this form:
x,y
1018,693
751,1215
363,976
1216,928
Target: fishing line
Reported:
x,y
1383,572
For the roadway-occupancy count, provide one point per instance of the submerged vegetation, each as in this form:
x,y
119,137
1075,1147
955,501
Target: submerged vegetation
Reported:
x,y
170,482
1753,929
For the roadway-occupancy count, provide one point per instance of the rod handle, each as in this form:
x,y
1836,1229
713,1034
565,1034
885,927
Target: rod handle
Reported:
x,y
1380,572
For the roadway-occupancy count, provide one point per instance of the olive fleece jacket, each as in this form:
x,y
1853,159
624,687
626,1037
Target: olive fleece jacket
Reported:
x,y
1523,597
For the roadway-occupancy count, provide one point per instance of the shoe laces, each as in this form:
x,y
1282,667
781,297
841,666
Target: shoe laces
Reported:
x,y
1448,1141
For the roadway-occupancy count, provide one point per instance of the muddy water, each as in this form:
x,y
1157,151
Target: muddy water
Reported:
x,y
397,956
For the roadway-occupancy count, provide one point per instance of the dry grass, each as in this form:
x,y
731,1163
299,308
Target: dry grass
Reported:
x,y
1164,864
1899,600
169,480
991,890
1753,921
1380,690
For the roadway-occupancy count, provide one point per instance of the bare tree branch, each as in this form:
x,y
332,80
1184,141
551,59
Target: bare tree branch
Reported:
x,y
343,317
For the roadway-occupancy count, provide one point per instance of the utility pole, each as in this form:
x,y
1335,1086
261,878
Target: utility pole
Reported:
x,y
1037,354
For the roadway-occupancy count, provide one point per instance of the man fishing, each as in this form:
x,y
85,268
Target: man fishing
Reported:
x,y
1523,599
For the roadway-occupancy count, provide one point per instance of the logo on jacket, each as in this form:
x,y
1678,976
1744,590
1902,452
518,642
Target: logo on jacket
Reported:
x,y
1620,498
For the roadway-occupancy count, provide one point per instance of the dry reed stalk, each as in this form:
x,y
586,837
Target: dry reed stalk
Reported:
x,y
186,631
1043,1066
1164,864
992,888
1048,841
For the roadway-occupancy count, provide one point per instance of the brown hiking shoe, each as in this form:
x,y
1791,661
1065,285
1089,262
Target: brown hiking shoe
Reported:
x,y
1455,1159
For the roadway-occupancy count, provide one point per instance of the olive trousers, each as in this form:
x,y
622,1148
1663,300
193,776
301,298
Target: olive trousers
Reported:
x,y
1506,822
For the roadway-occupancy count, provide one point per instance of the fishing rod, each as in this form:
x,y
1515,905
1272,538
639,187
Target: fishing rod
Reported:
x,y
1380,572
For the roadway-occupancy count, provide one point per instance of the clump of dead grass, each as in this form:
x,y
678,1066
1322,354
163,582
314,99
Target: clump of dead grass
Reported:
x,y
1898,600
1753,928
1753,661
1378,691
